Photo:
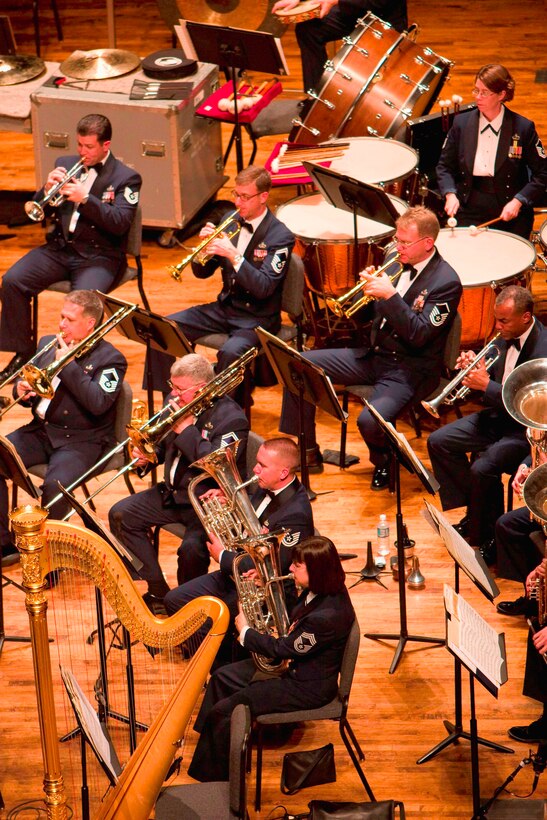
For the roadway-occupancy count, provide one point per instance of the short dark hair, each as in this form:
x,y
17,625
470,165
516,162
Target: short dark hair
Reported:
x,y
286,449
95,124
522,299
497,79
322,561
90,303
256,174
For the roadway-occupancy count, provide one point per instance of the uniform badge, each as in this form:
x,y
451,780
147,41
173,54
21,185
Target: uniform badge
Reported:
x,y
304,642
109,195
227,438
88,368
419,302
439,314
205,433
540,149
131,196
291,539
260,252
280,259
515,150
109,380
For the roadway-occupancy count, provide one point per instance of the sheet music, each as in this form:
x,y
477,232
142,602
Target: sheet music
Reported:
x,y
480,648
185,41
469,559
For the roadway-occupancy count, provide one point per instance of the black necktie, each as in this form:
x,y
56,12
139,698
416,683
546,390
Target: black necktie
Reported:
x,y
412,271
514,343
247,226
97,167
493,130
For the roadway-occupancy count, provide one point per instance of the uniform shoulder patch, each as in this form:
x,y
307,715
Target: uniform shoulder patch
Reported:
x,y
227,438
131,196
439,314
290,539
280,259
109,380
304,642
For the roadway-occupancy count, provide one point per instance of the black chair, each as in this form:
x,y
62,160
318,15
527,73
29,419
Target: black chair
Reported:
x,y
364,391
336,710
218,800
134,243
36,20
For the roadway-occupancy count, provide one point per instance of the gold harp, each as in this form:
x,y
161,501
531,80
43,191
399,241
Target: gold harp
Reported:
x,y
50,545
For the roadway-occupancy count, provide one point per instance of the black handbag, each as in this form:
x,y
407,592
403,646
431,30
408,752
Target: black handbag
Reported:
x,y
309,768
375,810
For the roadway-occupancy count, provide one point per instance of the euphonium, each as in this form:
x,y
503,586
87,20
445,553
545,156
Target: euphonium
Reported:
x,y
453,392
341,307
524,394
35,210
199,254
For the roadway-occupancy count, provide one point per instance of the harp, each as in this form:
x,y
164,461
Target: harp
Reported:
x,y
52,545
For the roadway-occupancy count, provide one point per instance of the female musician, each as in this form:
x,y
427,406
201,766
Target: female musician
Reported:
x,y
321,622
493,165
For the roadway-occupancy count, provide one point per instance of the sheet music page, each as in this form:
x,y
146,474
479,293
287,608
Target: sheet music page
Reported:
x,y
480,648
185,41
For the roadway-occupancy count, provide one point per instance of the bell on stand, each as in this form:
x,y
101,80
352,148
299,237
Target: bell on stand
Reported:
x,y
415,579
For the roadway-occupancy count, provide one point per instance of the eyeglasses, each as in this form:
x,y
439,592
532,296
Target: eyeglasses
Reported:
x,y
478,92
406,244
180,390
244,197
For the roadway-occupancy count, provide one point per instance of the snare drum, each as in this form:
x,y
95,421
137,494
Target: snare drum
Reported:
x,y
388,163
483,261
306,10
378,80
325,241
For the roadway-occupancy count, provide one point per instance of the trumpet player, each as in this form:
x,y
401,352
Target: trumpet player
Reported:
x,y
72,430
167,502
498,441
403,358
253,264
87,245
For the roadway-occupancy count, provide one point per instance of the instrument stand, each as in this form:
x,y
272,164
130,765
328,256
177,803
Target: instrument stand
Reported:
x,y
236,48
402,453
370,571
307,382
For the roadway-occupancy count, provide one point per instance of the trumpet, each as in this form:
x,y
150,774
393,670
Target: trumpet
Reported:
x,y
340,306
199,254
35,210
453,392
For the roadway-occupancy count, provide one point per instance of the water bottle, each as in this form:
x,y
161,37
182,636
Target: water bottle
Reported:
x,y
382,533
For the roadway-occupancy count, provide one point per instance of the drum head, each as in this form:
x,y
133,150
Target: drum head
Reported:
x,y
376,160
489,256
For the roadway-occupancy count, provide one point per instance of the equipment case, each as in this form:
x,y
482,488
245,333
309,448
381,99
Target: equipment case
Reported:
x,y
178,154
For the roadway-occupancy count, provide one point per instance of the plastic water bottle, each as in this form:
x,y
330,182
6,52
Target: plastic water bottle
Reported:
x,y
382,536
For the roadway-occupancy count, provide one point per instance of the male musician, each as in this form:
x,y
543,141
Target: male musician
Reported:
x,y
280,501
87,245
253,268
337,19
72,430
192,436
492,433
412,319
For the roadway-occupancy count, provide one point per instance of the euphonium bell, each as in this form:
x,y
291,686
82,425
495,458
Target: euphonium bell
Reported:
x,y
524,394
340,306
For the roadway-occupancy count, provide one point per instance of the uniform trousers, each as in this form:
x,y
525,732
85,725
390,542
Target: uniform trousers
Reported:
x,y
517,554
312,36
65,464
237,683
393,390
483,205
478,484
34,272
535,675
132,519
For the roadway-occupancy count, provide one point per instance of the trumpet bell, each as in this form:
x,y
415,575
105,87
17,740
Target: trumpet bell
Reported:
x,y
524,394
534,493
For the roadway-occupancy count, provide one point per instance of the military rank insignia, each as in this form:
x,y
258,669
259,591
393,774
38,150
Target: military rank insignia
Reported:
x,y
515,150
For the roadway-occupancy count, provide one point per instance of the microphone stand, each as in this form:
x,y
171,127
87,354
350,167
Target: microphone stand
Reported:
x,y
538,761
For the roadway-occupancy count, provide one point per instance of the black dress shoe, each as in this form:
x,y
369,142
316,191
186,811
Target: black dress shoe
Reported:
x,y
14,365
488,552
536,732
518,607
10,555
154,604
380,478
314,460
463,526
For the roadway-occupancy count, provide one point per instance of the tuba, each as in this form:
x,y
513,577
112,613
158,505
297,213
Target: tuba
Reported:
x,y
237,526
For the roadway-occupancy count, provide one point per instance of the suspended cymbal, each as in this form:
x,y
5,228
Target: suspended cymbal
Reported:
x,y
15,68
236,13
99,64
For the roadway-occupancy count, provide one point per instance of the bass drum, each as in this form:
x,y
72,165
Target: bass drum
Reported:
x,y
378,80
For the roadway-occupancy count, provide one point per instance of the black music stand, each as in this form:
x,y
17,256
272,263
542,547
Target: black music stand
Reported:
x,y
402,453
12,468
237,48
304,380
472,563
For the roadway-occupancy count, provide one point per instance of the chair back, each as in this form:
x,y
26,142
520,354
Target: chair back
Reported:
x,y
134,237
124,408
254,443
349,659
240,729
452,345
293,288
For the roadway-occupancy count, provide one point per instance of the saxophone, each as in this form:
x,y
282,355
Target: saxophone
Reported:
x,y
235,523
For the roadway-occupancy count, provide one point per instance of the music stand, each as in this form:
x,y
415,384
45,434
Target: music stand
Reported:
x,y
12,468
402,453
307,382
237,48
472,563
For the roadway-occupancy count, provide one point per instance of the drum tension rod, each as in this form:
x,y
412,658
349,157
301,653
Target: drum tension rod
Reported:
x,y
315,96
298,122
406,112
421,88
349,42
329,66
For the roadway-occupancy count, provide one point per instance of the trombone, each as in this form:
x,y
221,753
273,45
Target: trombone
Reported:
x,y
340,306
36,356
199,254
453,392
40,381
35,210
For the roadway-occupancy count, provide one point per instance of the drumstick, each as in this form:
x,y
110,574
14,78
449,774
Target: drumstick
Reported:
x,y
241,84
475,229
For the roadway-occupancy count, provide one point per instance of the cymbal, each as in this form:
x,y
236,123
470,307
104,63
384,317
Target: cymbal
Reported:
x,y
99,64
236,13
16,68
